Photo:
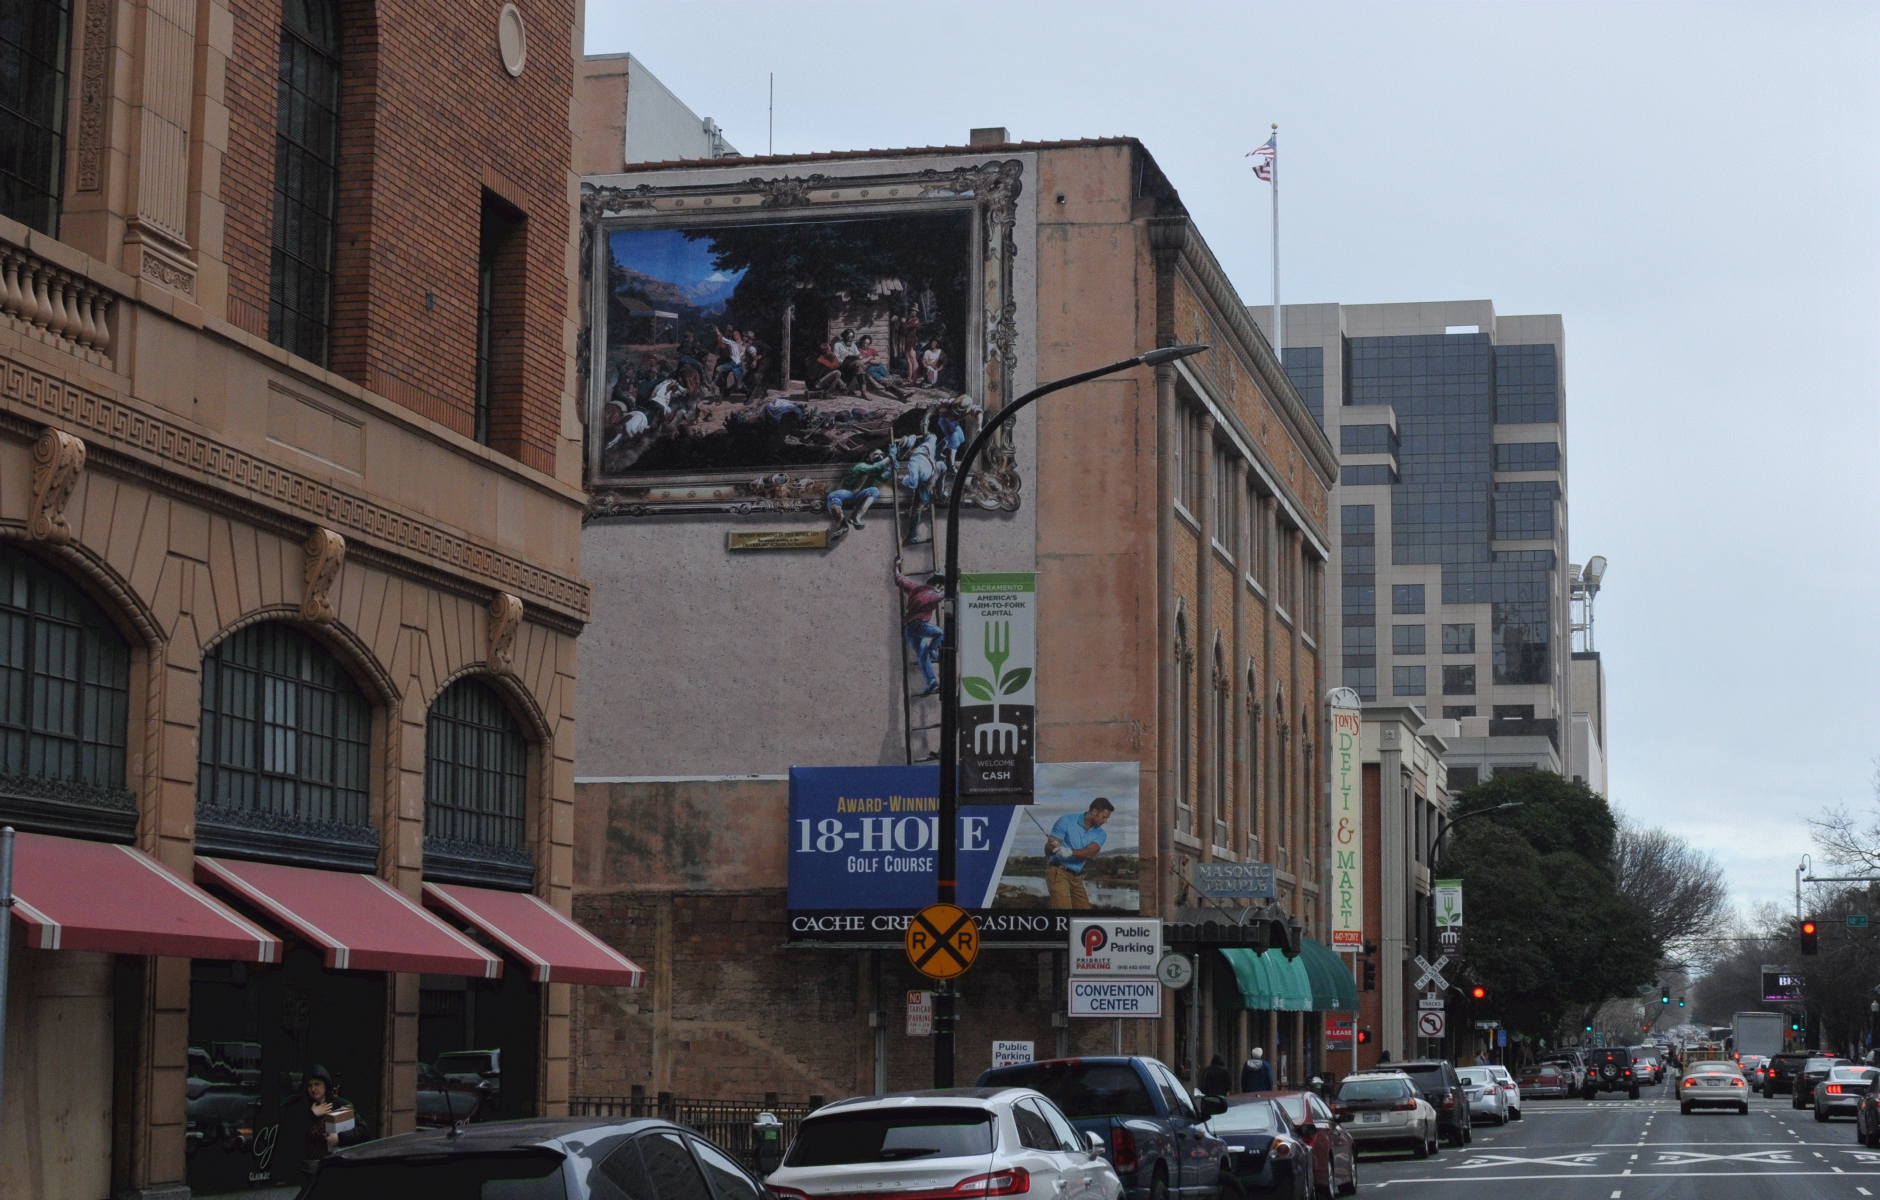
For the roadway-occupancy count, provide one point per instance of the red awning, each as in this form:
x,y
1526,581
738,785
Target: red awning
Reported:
x,y
78,895
362,922
556,949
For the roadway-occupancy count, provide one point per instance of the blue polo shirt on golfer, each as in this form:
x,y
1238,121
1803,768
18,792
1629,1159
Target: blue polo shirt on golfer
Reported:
x,y
1070,830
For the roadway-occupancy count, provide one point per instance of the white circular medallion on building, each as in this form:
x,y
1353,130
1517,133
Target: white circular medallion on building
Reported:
x,y
1175,971
512,39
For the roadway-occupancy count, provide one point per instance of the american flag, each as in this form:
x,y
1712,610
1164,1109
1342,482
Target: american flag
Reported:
x,y
1263,159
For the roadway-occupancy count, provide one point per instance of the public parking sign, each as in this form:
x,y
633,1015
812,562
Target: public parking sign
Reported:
x,y
1115,948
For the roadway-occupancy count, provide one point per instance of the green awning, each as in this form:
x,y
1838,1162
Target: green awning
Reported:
x,y
1332,988
1266,981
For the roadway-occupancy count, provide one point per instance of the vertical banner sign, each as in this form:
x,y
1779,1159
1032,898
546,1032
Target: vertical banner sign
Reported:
x,y
1446,894
998,659
1347,831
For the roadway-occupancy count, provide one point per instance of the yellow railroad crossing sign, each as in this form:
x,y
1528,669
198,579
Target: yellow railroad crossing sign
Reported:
x,y
942,941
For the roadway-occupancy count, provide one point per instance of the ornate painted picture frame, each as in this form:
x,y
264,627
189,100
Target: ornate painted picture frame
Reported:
x,y
759,345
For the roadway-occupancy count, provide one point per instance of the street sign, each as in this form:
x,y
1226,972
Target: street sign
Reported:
x,y
920,1014
1129,948
1175,971
1432,973
942,941
1431,1024
1010,1054
1857,920
1431,1003
1338,1030
1234,881
1115,998
1501,1037
1488,1024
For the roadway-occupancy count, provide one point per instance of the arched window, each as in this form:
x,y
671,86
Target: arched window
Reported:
x,y
285,750
64,706
476,765
306,167
1184,726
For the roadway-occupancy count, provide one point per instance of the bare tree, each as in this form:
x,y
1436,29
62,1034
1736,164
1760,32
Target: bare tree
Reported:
x,y
1681,889
1847,840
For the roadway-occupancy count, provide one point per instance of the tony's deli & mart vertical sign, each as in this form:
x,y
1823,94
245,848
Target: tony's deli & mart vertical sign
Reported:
x,y
1347,831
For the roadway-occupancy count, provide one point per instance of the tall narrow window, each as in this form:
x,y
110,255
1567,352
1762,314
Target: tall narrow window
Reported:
x,y
1223,693
475,789
499,314
306,167
1184,725
284,748
34,48
1254,846
64,705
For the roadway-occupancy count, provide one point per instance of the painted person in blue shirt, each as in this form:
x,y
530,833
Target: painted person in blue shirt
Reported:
x,y
1075,839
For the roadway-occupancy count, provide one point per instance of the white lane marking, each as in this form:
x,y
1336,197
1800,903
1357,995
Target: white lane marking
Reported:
x,y
1616,1193
1681,1158
1863,1191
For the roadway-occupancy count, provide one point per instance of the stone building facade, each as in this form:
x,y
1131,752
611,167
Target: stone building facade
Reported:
x,y
1175,519
290,462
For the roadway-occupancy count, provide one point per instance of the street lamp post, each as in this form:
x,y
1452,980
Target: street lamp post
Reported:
x,y
949,670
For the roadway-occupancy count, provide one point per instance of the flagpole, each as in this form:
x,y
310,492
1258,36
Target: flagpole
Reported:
x,y
1279,339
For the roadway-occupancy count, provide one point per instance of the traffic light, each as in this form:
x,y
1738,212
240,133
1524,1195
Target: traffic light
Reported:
x,y
1370,976
1364,1037
1795,1023
1680,1002
1810,941
1478,992
1664,995
1589,1029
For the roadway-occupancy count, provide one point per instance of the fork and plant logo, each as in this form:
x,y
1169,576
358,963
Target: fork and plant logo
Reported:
x,y
998,641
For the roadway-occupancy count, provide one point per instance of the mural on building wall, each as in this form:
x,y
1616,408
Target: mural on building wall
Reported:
x,y
782,358
1078,845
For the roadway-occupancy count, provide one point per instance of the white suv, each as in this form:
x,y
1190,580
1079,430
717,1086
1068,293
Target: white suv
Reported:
x,y
958,1144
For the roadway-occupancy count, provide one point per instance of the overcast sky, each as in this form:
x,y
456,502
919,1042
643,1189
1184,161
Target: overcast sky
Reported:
x,y
1692,187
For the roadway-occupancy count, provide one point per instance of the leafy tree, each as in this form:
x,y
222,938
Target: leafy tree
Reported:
x,y
1549,931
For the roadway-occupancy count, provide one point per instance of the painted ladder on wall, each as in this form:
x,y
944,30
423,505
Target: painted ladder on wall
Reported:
x,y
915,549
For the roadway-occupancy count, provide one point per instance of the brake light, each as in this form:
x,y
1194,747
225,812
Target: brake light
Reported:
x,y
1124,1155
1736,1083
1406,1105
1449,1101
1834,1089
1013,1181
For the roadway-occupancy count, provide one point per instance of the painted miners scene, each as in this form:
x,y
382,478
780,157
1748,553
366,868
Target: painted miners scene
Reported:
x,y
546,654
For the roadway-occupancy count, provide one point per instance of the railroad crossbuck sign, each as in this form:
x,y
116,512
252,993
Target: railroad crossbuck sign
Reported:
x,y
942,941
1432,973
1431,1024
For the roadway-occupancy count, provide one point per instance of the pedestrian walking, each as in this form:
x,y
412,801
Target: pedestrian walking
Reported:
x,y
1257,1075
1216,1080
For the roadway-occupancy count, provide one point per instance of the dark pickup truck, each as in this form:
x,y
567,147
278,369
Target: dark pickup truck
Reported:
x,y
1156,1135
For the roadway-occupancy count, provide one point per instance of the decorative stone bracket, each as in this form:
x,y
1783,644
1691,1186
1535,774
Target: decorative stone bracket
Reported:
x,y
326,551
505,620
58,457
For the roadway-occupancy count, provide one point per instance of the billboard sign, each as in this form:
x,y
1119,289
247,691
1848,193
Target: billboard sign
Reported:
x,y
1114,949
1115,998
1781,987
1348,865
862,857
998,684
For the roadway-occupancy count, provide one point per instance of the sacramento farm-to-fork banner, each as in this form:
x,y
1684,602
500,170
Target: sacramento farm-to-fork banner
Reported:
x,y
862,853
998,684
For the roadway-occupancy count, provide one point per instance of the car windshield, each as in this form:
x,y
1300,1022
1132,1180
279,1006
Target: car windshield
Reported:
x,y
1821,1064
463,1064
1429,1075
891,1135
1362,1090
1082,1089
1853,1074
510,1177
1254,1117
1475,1074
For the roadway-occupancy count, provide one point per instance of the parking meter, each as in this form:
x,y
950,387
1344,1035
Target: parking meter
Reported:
x,y
766,1143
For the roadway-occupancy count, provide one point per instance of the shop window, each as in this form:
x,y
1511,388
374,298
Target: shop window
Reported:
x,y
285,753
35,40
64,706
475,790
306,172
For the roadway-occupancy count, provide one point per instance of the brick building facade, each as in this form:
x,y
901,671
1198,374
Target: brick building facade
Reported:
x,y
243,352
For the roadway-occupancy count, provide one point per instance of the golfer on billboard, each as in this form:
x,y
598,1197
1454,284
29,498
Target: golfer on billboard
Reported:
x,y
1074,840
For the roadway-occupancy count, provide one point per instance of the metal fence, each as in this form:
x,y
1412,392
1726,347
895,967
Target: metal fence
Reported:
x,y
726,1122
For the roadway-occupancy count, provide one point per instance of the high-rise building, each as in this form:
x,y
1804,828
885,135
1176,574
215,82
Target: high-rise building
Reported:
x,y
1450,516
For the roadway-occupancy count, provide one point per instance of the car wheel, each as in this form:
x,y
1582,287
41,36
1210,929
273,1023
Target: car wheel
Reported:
x,y
1158,1185
1632,1094
1423,1148
1468,1133
1685,1108
1515,1116
1230,1189
1821,1115
1795,1101
1742,1110
1350,1186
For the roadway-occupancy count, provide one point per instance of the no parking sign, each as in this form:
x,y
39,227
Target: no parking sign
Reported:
x,y
1431,1023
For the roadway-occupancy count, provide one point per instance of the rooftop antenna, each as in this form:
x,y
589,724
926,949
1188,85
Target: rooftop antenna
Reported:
x,y
771,148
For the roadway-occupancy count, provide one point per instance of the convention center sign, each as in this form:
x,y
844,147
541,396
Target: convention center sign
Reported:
x,y
863,862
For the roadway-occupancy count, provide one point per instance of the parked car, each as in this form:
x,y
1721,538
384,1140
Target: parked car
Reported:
x,y
1547,1080
1716,1084
1442,1087
1839,1094
1780,1075
1867,1118
1609,1069
1385,1110
1484,1093
556,1159
1510,1090
978,1142
1802,1090
1334,1157
1154,1133
1574,1065
1265,1154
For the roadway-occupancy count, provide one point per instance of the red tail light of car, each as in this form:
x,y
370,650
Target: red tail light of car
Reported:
x,y
1282,1148
1740,1083
1013,1181
1124,1155
1833,1089
1408,1104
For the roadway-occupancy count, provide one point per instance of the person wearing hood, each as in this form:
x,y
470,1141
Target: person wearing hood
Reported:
x,y
1215,1078
1257,1075
317,1098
